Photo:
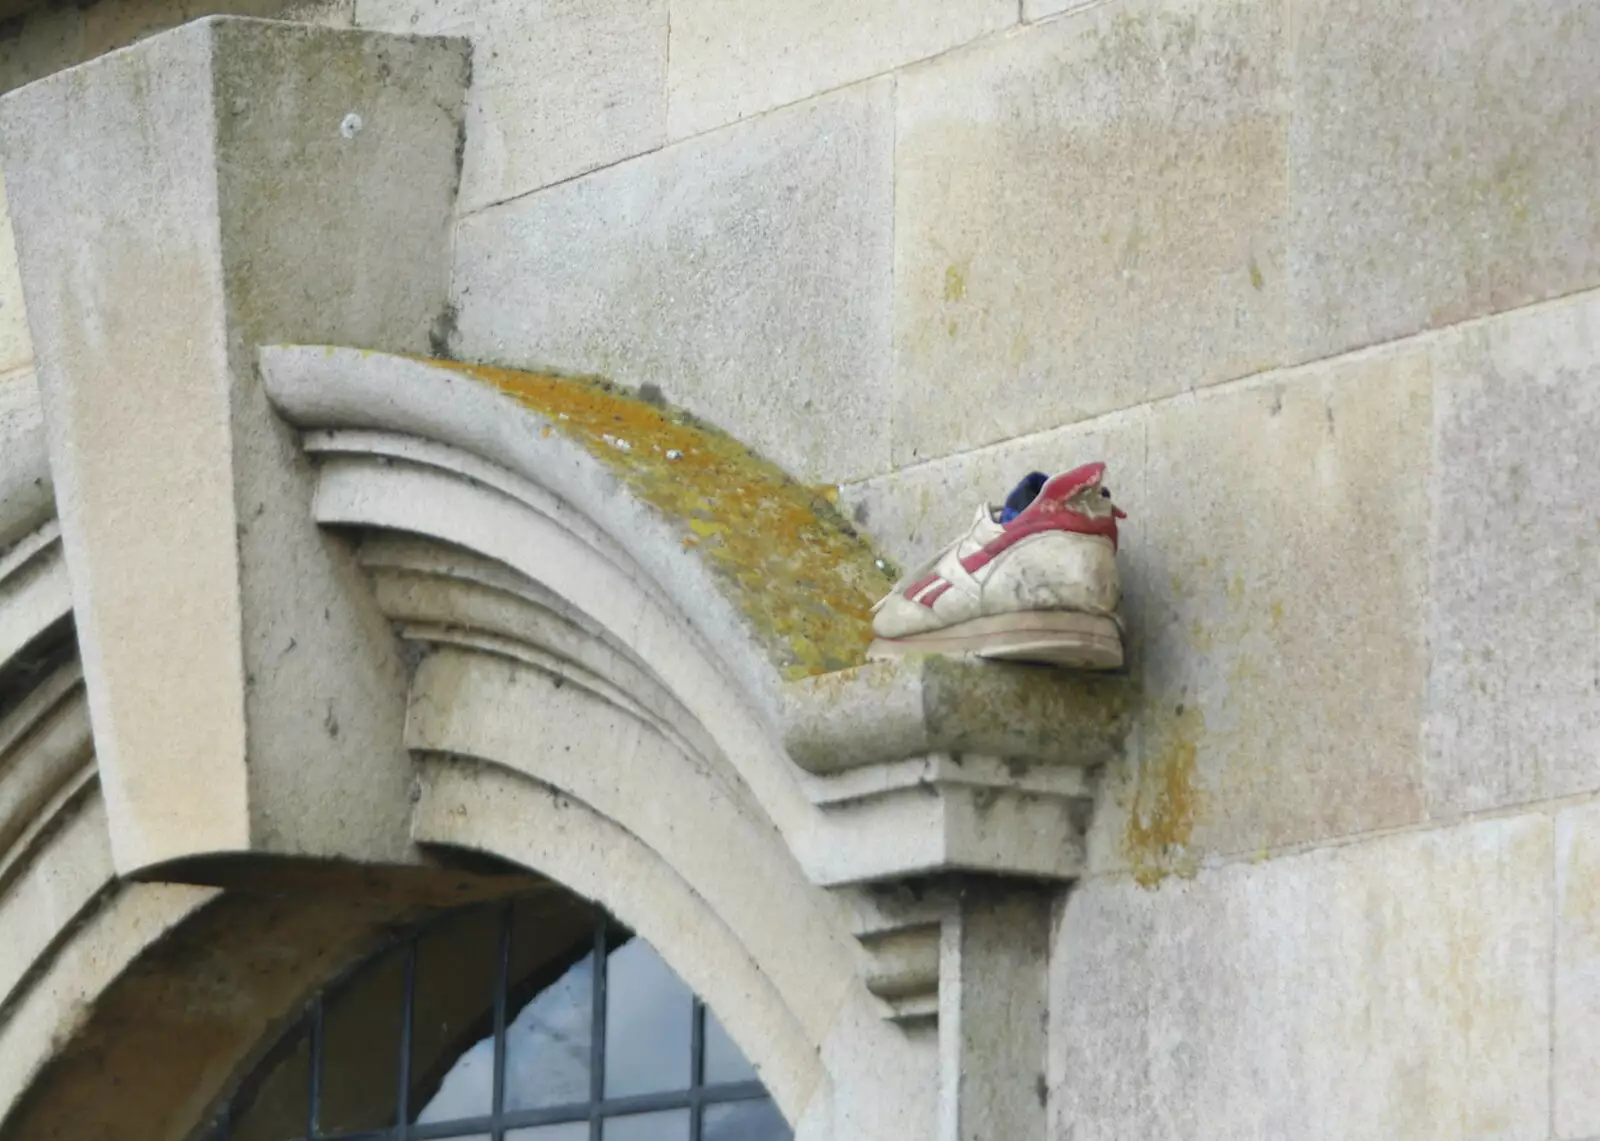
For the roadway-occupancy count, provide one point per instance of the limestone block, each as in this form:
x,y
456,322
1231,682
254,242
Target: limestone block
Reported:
x,y
993,1032
16,347
1577,973
884,1081
251,181
1088,214
1280,604
1514,689
1442,154
731,59
745,275
60,880
27,496
111,937
559,87
1397,988
1041,9
886,712
42,40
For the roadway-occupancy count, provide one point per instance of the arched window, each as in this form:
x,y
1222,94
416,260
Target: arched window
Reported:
x,y
537,1020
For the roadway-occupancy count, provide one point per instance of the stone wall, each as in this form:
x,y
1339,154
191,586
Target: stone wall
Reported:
x,y
1312,279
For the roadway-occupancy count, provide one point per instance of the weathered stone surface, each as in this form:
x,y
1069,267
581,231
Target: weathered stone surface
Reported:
x,y
1274,564
16,347
1087,215
1280,603
1397,988
993,989
251,181
61,879
36,1028
731,58
746,275
27,496
886,1082
42,40
769,572
1514,690
559,87
1576,992
910,707
1040,9
1443,162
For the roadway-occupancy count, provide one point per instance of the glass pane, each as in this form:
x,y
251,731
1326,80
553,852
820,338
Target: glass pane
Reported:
x,y
452,1027
671,1125
277,1110
744,1121
566,1131
725,1062
361,1047
548,1044
648,1023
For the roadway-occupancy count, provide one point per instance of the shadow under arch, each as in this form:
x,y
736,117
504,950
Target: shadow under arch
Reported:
x,y
165,1000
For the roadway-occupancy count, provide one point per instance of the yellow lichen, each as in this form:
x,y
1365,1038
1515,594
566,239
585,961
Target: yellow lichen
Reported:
x,y
1162,819
804,580
955,283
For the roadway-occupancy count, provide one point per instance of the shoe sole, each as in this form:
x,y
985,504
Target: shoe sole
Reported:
x,y
1049,637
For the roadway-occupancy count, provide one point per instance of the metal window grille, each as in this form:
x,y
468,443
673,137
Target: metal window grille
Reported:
x,y
696,1097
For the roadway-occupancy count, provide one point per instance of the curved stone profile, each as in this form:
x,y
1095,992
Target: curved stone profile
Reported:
x,y
721,528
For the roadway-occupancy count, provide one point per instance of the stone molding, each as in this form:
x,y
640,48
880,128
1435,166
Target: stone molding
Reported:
x,y
939,802
321,593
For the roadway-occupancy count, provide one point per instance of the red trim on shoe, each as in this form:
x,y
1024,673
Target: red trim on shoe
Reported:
x,y
921,584
933,595
1049,512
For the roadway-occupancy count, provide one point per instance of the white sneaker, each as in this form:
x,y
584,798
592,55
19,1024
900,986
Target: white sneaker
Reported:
x,y
1040,587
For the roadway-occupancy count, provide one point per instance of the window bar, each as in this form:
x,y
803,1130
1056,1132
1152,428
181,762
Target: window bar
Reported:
x,y
697,1067
502,984
402,1109
314,1097
597,1036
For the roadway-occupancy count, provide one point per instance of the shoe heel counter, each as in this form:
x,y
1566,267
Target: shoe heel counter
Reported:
x,y
1058,570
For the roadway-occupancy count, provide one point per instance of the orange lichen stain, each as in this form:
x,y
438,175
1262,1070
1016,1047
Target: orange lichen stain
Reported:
x,y
1165,800
803,578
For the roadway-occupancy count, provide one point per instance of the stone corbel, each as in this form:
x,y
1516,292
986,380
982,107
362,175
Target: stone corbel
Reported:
x,y
962,793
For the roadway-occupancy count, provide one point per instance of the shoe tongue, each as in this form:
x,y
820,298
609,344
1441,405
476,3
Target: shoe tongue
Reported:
x,y
1022,496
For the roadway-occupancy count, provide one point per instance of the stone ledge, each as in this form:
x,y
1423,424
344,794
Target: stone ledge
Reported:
x,y
912,707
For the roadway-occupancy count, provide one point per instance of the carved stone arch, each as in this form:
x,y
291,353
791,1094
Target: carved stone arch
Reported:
x,y
340,611
701,576
568,627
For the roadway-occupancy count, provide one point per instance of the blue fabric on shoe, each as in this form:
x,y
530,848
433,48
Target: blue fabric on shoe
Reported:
x,y
1022,495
